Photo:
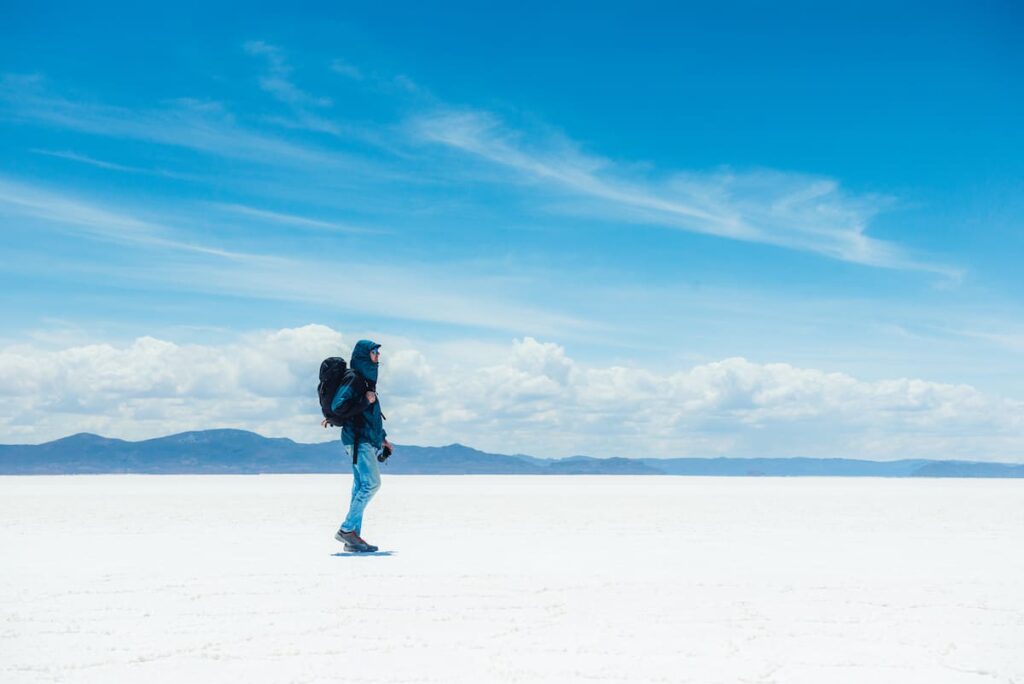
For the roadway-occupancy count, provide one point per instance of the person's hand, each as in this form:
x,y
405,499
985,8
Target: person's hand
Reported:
x,y
323,423
388,444
371,397
385,451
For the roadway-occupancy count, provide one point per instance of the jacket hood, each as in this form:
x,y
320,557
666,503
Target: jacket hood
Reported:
x,y
361,362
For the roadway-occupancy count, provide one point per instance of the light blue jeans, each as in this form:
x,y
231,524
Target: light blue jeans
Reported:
x,y
365,483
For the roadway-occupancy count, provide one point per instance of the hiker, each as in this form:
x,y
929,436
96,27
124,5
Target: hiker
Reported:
x,y
364,439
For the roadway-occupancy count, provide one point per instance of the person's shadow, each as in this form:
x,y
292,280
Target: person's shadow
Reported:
x,y
349,554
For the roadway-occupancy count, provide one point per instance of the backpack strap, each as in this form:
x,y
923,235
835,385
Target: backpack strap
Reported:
x,y
359,419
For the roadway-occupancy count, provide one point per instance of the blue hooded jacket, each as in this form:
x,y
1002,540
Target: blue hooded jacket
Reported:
x,y
372,430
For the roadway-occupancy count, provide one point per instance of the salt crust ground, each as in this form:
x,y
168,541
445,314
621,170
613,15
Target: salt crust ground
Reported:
x,y
527,579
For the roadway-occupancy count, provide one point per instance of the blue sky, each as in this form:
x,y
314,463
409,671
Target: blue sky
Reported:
x,y
646,186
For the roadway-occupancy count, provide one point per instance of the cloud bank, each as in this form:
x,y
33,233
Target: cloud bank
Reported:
x,y
526,397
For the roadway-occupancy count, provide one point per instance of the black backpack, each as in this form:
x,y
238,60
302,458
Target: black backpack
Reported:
x,y
333,373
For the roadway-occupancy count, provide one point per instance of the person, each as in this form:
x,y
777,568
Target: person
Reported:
x,y
366,437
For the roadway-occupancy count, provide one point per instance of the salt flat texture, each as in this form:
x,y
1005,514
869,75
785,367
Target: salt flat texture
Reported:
x,y
512,578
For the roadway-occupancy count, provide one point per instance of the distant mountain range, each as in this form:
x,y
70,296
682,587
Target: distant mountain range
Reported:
x,y
238,451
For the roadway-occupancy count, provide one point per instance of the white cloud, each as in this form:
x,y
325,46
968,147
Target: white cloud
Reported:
x,y
277,80
340,66
289,219
111,166
790,210
188,123
421,293
84,159
1012,340
103,223
528,397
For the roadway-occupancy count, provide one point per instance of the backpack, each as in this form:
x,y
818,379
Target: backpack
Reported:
x,y
333,373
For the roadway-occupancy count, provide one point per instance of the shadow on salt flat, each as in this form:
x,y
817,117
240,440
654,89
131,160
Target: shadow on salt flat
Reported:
x,y
351,554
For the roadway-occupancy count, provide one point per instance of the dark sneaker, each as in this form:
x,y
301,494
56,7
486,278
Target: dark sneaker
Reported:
x,y
367,548
353,542
347,537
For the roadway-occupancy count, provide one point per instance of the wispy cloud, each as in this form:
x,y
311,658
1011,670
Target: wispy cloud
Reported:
x,y
383,290
111,166
291,219
342,67
386,290
102,223
789,210
277,81
99,163
1010,340
190,123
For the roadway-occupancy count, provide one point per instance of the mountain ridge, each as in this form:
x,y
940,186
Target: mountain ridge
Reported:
x,y
231,451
